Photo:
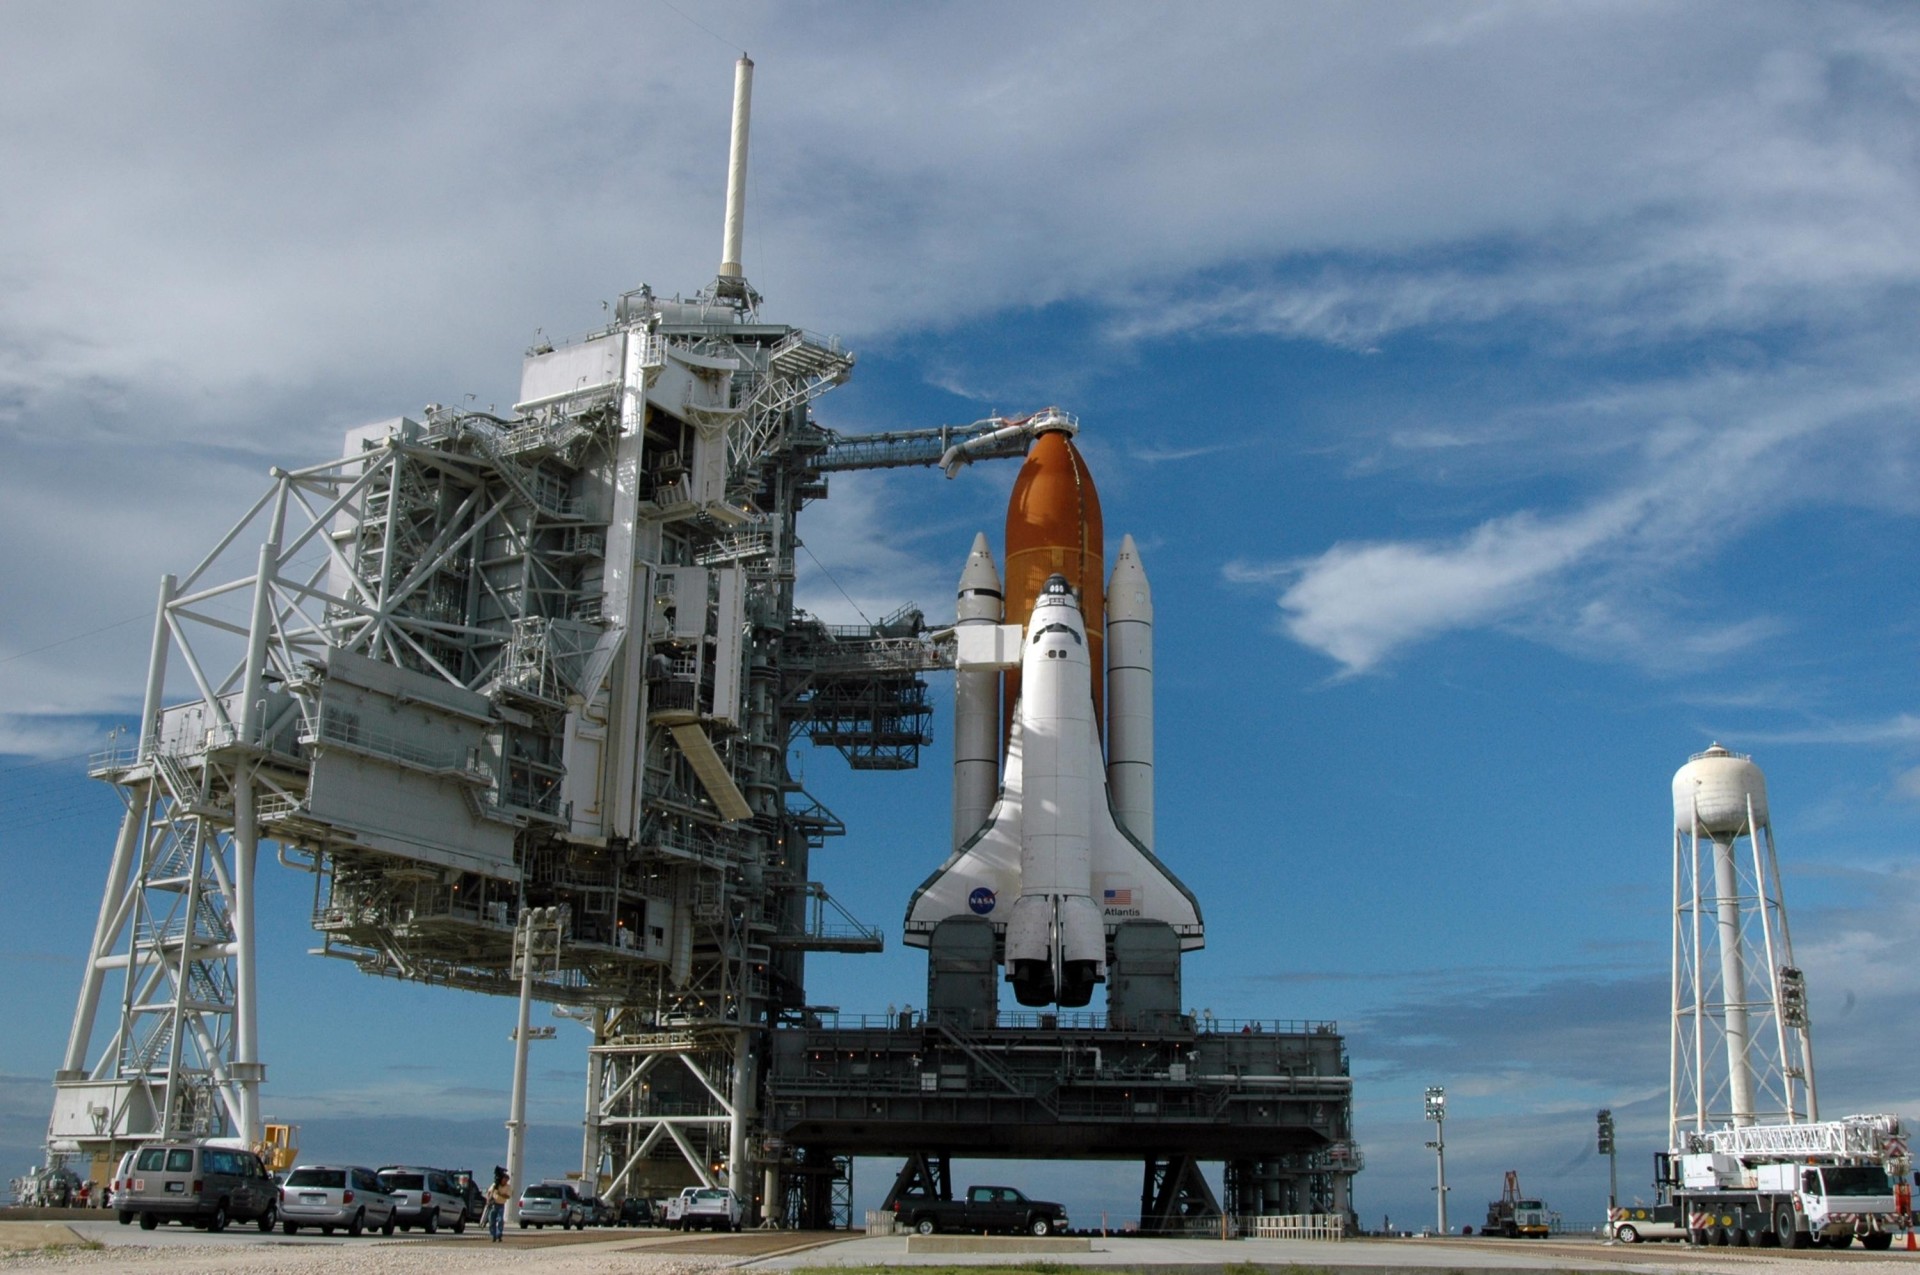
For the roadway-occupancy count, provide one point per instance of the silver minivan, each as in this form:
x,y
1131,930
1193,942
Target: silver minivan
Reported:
x,y
349,1196
198,1183
547,1204
426,1198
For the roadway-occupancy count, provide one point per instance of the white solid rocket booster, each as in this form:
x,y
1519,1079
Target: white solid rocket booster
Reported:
x,y
976,701
1130,694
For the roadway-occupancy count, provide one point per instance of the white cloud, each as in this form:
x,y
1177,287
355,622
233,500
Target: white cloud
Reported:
x,y
1360,602
1684,468
1901,728
50,737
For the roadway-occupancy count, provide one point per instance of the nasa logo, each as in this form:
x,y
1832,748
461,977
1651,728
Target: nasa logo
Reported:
x,y
981,901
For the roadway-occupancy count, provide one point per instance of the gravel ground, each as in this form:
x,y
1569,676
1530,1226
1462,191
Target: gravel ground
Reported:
x,y
376,1259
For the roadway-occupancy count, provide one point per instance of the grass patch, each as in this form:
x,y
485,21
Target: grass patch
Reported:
x,y
1010,1268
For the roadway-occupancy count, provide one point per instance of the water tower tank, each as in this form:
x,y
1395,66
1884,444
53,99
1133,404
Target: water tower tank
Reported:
x,y
1715,786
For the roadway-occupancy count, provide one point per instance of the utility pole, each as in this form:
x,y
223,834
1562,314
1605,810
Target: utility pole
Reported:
x,y
538,934
1437,1112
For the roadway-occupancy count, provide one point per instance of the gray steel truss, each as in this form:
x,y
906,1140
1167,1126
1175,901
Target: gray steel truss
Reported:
x,y
480,663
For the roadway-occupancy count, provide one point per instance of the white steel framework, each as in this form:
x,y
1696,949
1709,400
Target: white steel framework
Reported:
x,y
1741,1046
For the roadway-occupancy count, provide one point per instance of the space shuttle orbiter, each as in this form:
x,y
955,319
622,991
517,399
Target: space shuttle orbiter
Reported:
x,y
1054,846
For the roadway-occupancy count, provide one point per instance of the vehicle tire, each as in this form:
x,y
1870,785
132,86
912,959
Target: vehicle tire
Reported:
x,y
358,1224
218,1222
1877,1241
1626,1233
925,1226
432,1224
460,1227
1040,1226
126,1217
1739,1238
148,1221
387,1228
1840,1241
290,1228
1790,1236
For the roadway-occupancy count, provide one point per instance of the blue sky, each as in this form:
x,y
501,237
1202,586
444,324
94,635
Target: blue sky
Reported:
x,y
1508,400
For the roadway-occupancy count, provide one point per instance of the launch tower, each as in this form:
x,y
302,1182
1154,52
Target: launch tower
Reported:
x,y
481,667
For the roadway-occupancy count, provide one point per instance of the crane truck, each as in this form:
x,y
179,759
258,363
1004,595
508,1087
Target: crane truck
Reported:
x,y
1514,1217
1792,1185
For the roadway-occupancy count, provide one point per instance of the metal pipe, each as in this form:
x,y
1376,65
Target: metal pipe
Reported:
x,y
1733,981
737,169
517,1108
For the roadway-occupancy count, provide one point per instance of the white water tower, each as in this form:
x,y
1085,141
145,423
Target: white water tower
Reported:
x,y
1742,1047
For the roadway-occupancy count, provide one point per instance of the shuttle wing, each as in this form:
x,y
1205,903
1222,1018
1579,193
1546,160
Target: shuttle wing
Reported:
x,y
982,877
1130,884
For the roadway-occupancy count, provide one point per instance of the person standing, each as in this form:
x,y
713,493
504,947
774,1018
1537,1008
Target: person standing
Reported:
x,y
497,1197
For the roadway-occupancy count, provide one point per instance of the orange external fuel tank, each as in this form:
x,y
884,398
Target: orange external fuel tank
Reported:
x,y
1053,525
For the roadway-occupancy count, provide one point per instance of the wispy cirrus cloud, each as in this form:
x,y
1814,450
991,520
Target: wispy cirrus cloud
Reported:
x,y
1706,459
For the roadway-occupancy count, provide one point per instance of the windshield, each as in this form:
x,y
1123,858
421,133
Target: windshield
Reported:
x,y
318,1177
404,1181
542,1193
711,1195
1856,1181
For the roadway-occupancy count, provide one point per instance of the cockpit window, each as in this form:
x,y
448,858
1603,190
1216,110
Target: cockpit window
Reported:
x,y
1056,628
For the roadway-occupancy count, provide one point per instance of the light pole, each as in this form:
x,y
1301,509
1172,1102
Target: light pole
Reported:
x,y
1613,1160
1437,1112
534,923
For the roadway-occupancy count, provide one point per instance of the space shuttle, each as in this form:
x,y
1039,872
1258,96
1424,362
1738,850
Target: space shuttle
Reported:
x,y
1053,827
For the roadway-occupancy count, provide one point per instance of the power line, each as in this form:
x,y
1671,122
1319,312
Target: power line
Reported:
x,y
117,624
836,584
703,26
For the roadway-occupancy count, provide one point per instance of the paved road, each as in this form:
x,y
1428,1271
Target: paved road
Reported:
x,y
1453,1255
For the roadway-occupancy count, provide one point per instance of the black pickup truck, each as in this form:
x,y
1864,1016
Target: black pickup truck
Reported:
x,y
985,1208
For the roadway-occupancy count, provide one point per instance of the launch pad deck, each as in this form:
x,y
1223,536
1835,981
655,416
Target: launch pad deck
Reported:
x,y
1066,1086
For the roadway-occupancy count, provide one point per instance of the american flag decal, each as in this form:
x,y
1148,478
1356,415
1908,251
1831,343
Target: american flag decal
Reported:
x,y
1122,898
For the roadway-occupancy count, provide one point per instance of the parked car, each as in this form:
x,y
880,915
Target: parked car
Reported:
x,y
122,1183
638,1210
351,1196
1639,1223
715,1208
426,1198
547,1204
475,1198
676,1210
599,1211
200,1183
984,1208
